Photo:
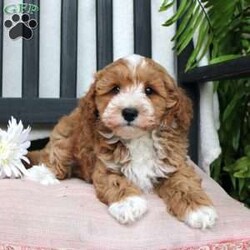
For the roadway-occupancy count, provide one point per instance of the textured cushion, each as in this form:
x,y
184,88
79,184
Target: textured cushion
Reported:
x,y
69,216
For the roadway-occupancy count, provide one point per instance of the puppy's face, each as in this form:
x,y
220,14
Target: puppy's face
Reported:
x,y
133,95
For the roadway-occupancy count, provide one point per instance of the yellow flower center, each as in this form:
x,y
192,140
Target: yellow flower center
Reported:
x,y
4,154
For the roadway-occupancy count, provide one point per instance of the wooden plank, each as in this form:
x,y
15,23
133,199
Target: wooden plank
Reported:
x,y
68,76
237,68
30,71
1,47
38,110
104,33
142,27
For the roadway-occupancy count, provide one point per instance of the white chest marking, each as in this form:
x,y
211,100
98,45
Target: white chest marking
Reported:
x,y
145,166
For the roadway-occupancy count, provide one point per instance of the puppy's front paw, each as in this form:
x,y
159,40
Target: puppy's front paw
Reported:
x,y
128,210
41,174
202,218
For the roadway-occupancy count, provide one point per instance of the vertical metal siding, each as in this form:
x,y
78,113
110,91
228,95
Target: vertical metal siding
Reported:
x,y
68,48
104,34
142,27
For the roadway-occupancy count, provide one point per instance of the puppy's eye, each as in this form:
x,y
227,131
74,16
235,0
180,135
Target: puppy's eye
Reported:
x,y
149,91
115,90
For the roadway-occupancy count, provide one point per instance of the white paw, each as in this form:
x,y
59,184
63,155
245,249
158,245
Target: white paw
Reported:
x,y
128,210
202,218
41,174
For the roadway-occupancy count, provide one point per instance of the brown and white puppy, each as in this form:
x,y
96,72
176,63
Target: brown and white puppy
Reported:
x,y
128,136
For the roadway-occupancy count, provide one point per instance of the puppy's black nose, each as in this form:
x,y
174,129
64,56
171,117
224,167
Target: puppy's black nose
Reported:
x,y
129,114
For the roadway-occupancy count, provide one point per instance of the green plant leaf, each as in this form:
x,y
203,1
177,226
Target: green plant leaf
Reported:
x,y
205,49
224,58
181,10
199,45
194,22
187,36
236,138
166,5
232,106
240,169
219,16
223,32
185,21
216,168
247,150
183,45
188,27
233,180
242,183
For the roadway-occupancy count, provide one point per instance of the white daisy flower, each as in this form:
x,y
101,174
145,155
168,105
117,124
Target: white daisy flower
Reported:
x,y
13,148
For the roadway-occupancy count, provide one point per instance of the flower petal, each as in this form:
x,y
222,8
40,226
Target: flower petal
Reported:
x,y
2,174
26,159
25,144
14,145
7,170
15,172
21,167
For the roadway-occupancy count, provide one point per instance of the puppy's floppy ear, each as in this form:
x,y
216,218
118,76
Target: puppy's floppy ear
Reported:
x,y
88,107
179,109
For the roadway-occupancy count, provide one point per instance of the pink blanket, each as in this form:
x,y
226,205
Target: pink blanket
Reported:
x,y
69,216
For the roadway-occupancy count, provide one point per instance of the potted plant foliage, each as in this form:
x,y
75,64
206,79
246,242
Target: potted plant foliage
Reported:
x,y
222,29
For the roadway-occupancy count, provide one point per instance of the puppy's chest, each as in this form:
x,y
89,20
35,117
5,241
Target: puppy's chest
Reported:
x,y
144,166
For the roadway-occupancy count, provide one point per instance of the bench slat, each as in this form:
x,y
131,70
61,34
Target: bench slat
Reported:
x,y
237,68
68,49
142,27
104,33
38,110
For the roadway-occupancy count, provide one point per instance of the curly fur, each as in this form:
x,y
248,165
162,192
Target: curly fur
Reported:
x,y
96,147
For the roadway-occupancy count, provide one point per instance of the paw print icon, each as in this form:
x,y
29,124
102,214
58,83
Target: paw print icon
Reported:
x,y
21,26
